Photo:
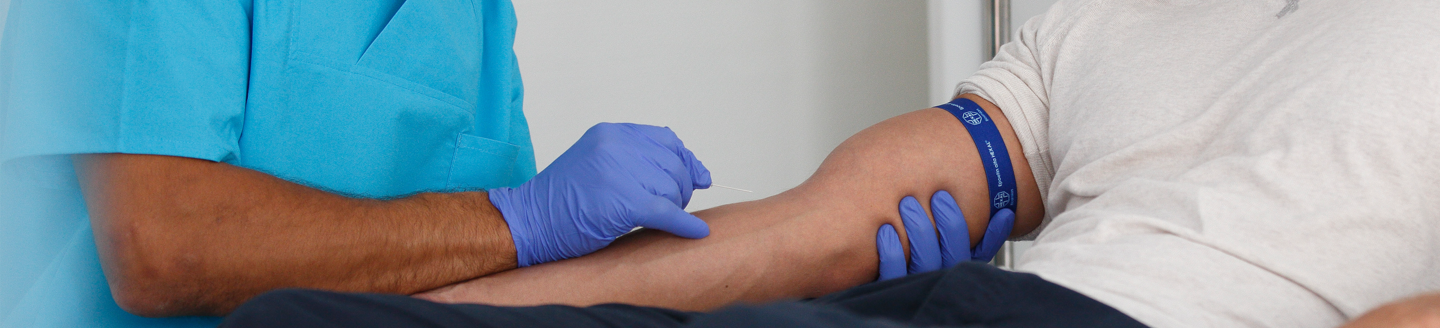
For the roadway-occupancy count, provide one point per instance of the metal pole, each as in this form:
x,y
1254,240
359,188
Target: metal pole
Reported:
x,y
999,35
999,25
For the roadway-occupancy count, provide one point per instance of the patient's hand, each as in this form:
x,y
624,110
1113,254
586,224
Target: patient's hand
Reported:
x,y
812,240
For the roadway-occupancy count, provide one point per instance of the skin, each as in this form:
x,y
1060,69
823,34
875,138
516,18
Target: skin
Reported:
x,y
179,236
809,241
1416,312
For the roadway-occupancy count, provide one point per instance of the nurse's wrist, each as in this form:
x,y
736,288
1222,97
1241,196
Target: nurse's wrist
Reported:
x,y
478,241
500,200
500,243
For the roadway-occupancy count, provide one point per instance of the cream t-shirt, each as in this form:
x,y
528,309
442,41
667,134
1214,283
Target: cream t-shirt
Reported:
x,y
1256,163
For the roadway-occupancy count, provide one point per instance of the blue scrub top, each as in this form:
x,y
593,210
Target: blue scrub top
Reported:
x,y
369,98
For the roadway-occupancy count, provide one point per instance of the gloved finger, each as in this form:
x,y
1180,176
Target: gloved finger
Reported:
x,y
659,213
995,235
892,256
954,231
699,175
924,248
671,156
660,135
672,181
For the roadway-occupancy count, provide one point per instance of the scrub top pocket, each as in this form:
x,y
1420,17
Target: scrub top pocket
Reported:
x,y
483,163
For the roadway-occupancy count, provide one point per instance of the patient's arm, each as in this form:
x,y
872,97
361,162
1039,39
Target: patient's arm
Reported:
x,y
1415,312
809,241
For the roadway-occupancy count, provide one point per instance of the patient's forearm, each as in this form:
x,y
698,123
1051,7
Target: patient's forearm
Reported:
x,y
762,252
811,240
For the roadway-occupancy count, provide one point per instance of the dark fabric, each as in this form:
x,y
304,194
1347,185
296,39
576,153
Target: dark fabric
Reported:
x,y
977,294
969,295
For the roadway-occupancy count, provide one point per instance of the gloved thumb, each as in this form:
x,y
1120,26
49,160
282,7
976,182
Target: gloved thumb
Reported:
x,y
892,255
662,214
995,235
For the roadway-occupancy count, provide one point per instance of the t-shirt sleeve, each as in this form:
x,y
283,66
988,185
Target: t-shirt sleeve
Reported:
x,y
1015,81
140,77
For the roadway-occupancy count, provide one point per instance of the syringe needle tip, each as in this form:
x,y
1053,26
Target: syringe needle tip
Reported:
x,y
729,187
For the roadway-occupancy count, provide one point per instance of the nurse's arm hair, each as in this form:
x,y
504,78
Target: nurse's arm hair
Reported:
x,y
812,240
181,236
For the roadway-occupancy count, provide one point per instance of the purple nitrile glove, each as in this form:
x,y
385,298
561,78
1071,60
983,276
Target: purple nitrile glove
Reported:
x,y
616,178
930,251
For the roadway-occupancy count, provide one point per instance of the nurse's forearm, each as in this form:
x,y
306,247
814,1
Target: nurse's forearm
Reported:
x,y
811,240
181,236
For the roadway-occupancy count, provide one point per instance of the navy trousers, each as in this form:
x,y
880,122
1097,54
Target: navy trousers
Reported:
x,y
969,295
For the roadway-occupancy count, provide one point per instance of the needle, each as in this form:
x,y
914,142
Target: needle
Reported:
x,y
729,187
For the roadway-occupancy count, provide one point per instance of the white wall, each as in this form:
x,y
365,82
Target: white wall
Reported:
x,y
761,90
959,39
1023,10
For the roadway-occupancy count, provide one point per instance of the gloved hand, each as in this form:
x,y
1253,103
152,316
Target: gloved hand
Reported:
x,y
616,178
929,252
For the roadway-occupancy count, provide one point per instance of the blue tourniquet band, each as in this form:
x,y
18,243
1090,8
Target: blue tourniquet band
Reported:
x,y
993,155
